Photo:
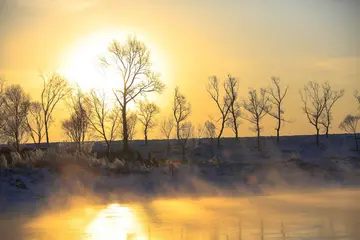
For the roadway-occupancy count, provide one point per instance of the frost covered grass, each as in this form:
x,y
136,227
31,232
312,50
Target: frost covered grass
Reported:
x,y
56,159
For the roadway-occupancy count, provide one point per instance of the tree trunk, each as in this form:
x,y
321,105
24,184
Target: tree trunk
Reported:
x,y
258,135
178,130
125,130
221,131
47,132
279,125
235,124
317,137
327,132
146,137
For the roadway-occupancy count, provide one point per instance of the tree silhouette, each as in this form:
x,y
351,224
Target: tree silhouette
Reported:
x,y
55,88
357,96
77,126
331,97
147,112
131,120
185,133
35,123
223,104
210,129
232,87
104,120
314,99
181,110
276,98
166,127
132,61
349,125
15,107
258,107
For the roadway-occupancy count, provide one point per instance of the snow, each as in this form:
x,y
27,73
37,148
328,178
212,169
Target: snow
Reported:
x,y
235,170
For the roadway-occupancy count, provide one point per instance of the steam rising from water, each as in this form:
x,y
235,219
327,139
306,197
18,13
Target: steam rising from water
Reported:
x,y
330,214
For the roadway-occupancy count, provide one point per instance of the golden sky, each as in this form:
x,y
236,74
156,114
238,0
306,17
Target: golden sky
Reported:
x,y
191,40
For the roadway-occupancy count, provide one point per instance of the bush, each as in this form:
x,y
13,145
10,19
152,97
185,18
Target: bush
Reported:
x,y
18,161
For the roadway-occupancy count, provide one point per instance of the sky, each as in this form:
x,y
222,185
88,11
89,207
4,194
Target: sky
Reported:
x,y
190,41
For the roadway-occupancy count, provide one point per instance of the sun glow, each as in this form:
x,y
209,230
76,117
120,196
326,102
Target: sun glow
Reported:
x,y
82,62
116,222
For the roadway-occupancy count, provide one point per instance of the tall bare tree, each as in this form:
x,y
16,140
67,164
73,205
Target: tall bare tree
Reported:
x,y
77,126
223,104
55,88
15,108
314,99
104,119
331,97
181,110
132,61
35,123
276,99
147,112
349,125
258,107
232,87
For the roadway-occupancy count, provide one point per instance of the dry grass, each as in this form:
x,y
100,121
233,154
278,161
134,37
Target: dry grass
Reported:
x,y
66,155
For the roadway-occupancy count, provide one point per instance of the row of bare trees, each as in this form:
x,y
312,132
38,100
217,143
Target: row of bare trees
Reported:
x,y
253,110
22,118
318,102
96,115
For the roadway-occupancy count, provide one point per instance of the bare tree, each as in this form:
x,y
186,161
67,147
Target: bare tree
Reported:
x,y
2,100
181,110
331,97
146,117
15,107
186,132
349,125
357,96
276,99
200,131
166,127
77,126
210,129
55,88
314,100
258,107
132,61
104,120
232,87
35,123
223,104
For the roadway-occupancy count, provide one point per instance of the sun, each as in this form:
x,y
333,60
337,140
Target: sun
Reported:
x,y
81,63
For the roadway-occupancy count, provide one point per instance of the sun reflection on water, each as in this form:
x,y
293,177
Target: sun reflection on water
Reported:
x,y
116,222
